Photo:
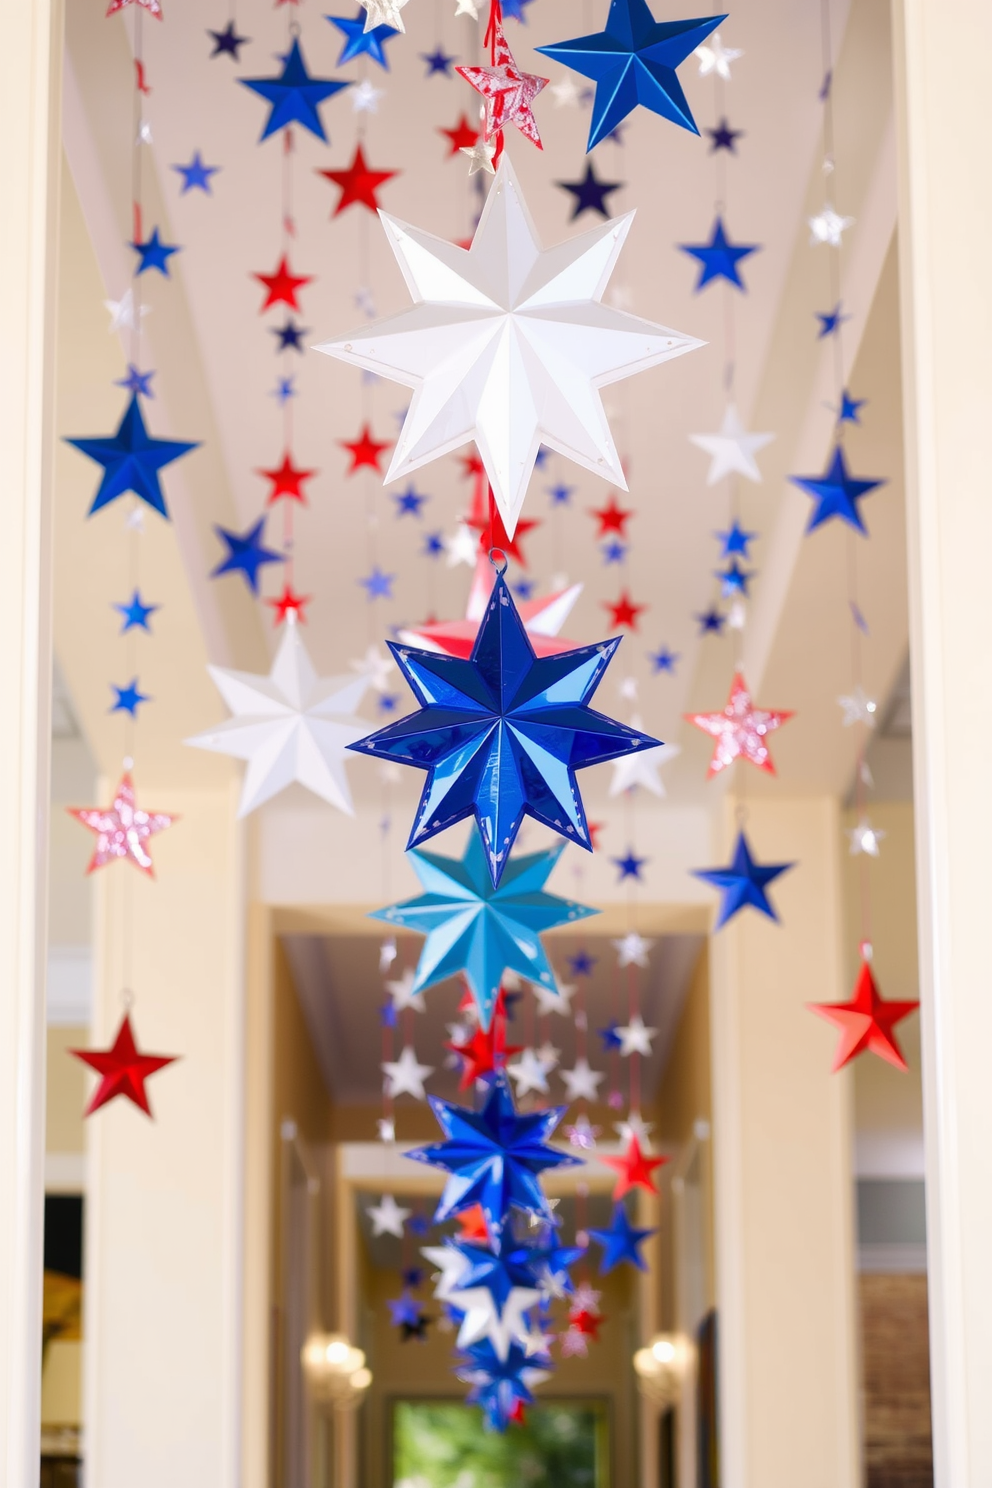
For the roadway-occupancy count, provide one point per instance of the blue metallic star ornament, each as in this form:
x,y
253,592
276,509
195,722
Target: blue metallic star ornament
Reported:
x,y
589,194
409,502
196,175
403,1309
735,542
609,1038
850,408
621,1242
581,964
711,622
743,882
718,259
294,96
629,866
547,1261
362,43
664,660
284,389
501,1386
135,614
228,42
515,10
633,62
131,460
734,580
378,585
493,1157
154,254
290,336
561,495
830,323
482,931
434,545
499,1270
439,64
136,381
836,493
128,699
246,554
502,733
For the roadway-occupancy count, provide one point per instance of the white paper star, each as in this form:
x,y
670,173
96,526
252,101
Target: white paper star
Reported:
x,y
858,708
365,97
714,57
865,839
484,1319
387,1130
733,449
585,1299
508,344
829,227
635,1128
632,950
463,547
450,1263
376,667
631,770
537,1342
384,13
122,312
290,725
467,7
582,1082
404,1076
387,1217
480,156
635,1038
549,1056
529,1073
553,999
387,953
566,94
403,995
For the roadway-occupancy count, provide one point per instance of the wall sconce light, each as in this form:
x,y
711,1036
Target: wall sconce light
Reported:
x,y
336,1369
661,1368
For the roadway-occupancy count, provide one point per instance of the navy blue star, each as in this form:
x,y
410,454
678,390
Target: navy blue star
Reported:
x,y
664,660
388,703
284,389
154,254
290,336
196,175
830,323
228,41
736,541
613,552
561,495
743,882
378,585
362,43
633,62
294,96
590,193
719,257
434,545
137,382
409,502
629,866
502,733
724,138
131,460
581,964
128,699
438,61
609,1038
246,554
136,614
850,408
733,580
836,493
621,1242
711,622
419,1224
412,1277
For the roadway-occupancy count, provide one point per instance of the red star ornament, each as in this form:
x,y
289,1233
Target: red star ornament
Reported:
x,y
493,537
483,1054
634,1169
287,481
472,1224
290,603
152,6
123,1069
508,93
471,466
587,1323
123,829
461,137
740,730
282,285
358,184
611,518
624,612
365,452
866,1022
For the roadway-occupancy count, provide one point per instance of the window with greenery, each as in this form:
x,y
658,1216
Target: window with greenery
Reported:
x,y
562,1444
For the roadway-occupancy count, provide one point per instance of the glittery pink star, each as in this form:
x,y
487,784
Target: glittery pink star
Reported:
x,y
122,829
508,92
573,1343
739,730
152,6
585,1298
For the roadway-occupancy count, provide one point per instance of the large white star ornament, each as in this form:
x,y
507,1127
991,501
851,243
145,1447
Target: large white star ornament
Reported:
x,y
290,726
387,1217
508,345
485,1319
732,449
633,770
405,1076
123,311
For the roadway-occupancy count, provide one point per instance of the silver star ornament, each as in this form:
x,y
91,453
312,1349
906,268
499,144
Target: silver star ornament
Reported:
x,y
732,448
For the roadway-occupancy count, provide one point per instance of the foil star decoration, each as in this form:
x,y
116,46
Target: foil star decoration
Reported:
x,y
483,1054
589,194
228,42
482,931
294,97
502,734
828,227
406,1075
123,1069
743,883
718,259
387,1217
858,707
741,730
641,770
620,1242
489,346
359,184
836,493
634,1169
282,286
501,1388
866,1022
362,40
865,839
493,1157
633,61
122,829
732,449
289,726
131,460
715,58
384,13
246,554
507,93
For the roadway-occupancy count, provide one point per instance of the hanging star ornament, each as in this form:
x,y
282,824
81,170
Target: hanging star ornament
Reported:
x,y
732,449
508,344
866,1022
502,734
641,770
502,1388
740,729
634,1169
384,13
359,184
122,829
718,259
743,882
406,1075
387,1217
228,42
589,194
828,227
482,931
620,1242
294,97
507,93
581,1081
836,493
633,61
362,40
246,554
132,460
289,726
123,1069
715,59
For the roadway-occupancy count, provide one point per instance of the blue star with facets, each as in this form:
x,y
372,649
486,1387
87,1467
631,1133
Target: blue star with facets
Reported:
x,y
290,336
196,175
127,699
633,61
561,495
362,43
629,866
581,964
501,1386
850,408
294,97
734,580
743,883
830,323
378,585
137,382
228,42
284,389
548,1261
131,460
433,545
404,1309
494,1156
621,1242
246,554
836,493
135,614
409,502
711,622
609,1038
515,10
614,552
154,254
718,259
438,62
664,660
503,732
590,194
480,931
499,1271
735,541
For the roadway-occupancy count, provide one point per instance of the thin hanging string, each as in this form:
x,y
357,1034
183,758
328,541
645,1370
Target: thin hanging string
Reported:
x,y
288,233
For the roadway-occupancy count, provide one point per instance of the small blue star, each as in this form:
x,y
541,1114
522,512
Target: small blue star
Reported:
x,y
228,41
154,254
609,1038
524,589
561,495
412,1277
137,382
850,408
724,138
733,580
418,1225
664,660
629,866
836,493
743,882
711,622
362,43
620,1242
136,614
613,552
433,545
378,585
128,698
245,554
542,456
409,502
388,703
294,96
590,194
438,61
719,257
284,389
581,964
736,541
830,323
514,10
290,336
404,1311
196,175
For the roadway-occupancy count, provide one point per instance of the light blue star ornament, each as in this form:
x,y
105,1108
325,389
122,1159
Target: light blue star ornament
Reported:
x,y
633,62
480,930
294,96
131,460
502,733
